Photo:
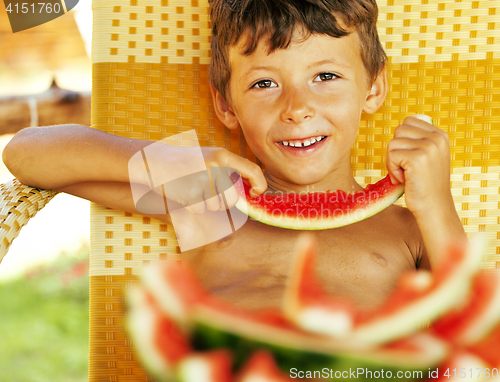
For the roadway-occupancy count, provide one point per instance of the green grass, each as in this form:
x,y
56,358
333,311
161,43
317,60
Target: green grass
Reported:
x,y
44,321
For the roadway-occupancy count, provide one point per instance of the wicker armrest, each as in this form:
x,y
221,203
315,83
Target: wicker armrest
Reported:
x,y
18,204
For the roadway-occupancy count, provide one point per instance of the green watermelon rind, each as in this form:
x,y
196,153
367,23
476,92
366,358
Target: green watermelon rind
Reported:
x,y
486,323
408,319
213,329
353,216
332,320
356,215
165,294
425,118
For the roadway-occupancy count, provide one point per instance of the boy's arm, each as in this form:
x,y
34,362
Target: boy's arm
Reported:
x,y
419,157
116,195
438,230
56,156
67,157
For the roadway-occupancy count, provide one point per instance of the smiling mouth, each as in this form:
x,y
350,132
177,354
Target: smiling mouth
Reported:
x,y
303,143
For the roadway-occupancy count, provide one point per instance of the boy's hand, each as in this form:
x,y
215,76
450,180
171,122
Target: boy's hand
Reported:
x,y
419,157
199,193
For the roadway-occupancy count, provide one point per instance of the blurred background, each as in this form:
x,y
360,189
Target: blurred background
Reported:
x,y
46,79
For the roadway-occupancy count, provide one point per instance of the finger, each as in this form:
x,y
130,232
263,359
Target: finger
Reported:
x,y
252,172
394,163
394,180
416,120
401,162
197,208
213,203
396,173
198,195
196,191
438,139
417,132
225,186
409,144
189,190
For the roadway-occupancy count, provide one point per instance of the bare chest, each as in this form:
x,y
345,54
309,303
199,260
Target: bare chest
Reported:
x,y
251,266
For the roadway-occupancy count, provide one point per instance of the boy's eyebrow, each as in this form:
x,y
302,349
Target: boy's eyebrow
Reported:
x,y
256,68
322,62
330,61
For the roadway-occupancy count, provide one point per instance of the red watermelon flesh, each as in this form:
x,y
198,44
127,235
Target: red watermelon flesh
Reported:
x,y
261,367
320,210
170,341
317,210
307,304
419,297
175,287
213,366
489,348
178,292
218,324
158,341
171,354
163,346
478,317
219,329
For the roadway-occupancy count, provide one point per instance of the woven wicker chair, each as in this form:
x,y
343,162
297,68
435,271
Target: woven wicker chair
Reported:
x,y
150,61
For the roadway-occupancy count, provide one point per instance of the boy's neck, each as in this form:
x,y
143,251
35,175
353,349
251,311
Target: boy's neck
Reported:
x,y
340,180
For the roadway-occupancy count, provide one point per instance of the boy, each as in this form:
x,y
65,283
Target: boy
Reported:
x,y
295,76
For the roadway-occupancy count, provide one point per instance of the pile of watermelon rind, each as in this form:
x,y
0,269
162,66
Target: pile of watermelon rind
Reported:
x,y
182,333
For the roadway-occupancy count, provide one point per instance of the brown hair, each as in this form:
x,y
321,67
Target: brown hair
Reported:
x,y
276,20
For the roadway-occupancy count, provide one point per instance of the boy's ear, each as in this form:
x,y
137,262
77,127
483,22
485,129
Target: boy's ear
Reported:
x,y
377,94
223,110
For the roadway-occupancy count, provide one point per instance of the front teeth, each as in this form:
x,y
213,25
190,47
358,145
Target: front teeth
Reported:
x,y
304,144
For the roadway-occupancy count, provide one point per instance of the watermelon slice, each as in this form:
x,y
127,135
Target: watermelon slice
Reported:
x,y
425,118
306,303
418,298
157,339
213,328
489,348
175,288
212,324
462,366
261,367
214,366
478,317
317,210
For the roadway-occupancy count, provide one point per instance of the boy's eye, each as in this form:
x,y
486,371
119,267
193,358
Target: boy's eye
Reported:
x,y
326,77
262,84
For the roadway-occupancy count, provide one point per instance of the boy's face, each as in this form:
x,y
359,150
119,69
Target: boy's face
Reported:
x,y
317,87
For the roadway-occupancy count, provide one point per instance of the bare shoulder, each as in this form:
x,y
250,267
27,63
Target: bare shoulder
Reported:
x,y
401,221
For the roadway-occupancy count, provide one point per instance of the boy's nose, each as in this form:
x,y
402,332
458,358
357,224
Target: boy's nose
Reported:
x,y
296,108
